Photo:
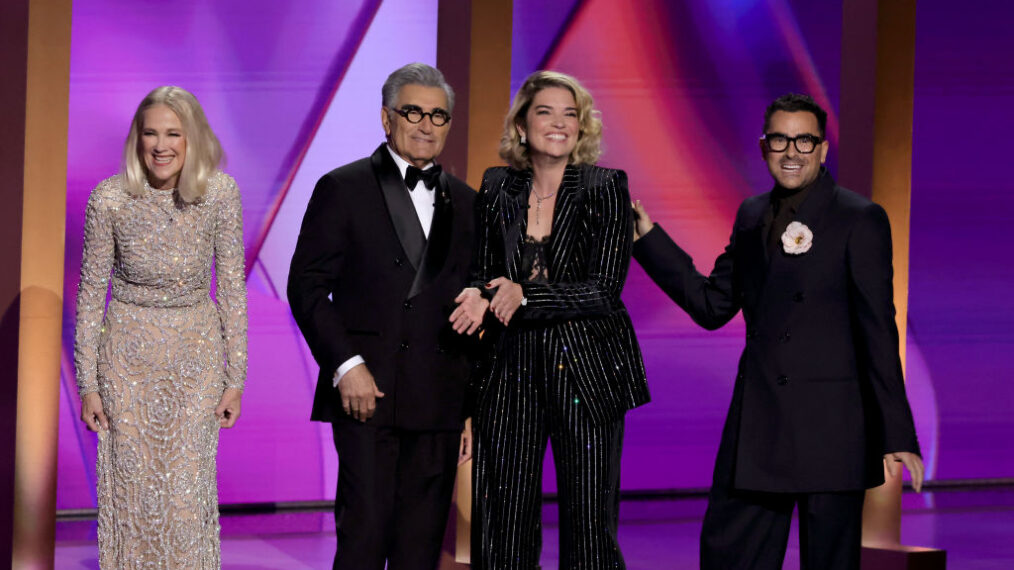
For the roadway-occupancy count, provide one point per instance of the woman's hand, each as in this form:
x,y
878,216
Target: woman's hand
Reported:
x,y
507,299
467,316
92,414
642,222
228,408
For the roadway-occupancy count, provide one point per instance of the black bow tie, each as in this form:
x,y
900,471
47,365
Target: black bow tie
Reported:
x,y
429,177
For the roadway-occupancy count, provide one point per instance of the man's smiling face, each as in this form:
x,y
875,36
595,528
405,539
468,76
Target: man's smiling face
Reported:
x,y
418,143
790,168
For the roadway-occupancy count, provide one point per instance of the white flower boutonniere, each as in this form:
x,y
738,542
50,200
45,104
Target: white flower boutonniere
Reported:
x,y
797,239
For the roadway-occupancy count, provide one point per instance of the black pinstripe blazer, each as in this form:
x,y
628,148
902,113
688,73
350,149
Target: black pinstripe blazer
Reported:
x,y
578,313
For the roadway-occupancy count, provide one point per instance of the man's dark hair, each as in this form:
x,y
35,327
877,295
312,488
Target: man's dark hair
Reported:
x,y
793,103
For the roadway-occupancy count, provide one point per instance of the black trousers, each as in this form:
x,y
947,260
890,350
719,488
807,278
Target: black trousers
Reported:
x,y
394,494
748,530
516,413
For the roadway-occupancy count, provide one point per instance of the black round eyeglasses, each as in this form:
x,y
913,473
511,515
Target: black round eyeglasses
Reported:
x,y
415,115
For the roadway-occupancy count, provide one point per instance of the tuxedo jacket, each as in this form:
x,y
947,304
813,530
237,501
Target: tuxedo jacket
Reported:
x,y
577,318
819,395
365,280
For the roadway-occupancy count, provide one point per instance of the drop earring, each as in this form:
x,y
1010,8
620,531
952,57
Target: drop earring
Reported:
x,y
523,139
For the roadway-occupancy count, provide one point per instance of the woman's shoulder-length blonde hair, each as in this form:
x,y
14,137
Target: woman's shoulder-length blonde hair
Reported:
x,y
589,140
203,154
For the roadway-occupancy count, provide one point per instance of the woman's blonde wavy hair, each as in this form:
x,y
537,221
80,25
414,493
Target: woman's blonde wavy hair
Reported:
x,y
589,140
203,155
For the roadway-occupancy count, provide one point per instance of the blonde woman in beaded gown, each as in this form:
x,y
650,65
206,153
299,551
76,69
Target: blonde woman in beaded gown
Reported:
x,y
162,368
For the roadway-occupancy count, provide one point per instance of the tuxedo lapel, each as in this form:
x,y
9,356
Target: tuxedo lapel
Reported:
x,y
399,206
439,241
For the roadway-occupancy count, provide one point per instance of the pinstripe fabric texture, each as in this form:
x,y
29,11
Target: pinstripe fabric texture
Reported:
x,y
566,370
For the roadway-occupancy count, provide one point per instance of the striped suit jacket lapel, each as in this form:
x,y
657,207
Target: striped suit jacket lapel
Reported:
x,y
514,213
566,216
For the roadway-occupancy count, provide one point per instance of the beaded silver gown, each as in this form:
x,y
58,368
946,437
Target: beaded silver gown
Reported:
x,y
160,357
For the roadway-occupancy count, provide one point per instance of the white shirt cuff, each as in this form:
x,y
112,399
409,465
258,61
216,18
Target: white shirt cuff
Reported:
x,y
345,367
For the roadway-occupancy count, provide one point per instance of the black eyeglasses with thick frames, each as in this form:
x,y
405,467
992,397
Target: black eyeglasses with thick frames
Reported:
x,y
415,115
777,142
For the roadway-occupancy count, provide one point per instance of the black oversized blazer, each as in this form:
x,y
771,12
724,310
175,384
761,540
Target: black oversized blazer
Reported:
x,y
579,312
353,289
819,396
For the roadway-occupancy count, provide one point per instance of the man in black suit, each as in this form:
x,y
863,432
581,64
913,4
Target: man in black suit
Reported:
x,y
384,249
819,406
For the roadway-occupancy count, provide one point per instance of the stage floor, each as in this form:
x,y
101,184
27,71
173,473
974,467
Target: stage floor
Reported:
x,y
975,527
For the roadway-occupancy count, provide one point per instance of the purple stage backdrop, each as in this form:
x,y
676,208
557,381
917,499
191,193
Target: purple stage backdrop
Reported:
x,y
961,298
294,90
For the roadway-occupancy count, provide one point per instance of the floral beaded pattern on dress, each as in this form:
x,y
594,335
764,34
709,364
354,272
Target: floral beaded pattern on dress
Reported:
x,y
160,357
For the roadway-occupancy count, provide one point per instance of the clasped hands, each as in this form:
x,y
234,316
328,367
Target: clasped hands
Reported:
x,y
472,307
358,390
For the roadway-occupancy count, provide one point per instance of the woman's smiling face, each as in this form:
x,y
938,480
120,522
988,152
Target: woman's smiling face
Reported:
x,y
163,146
553,127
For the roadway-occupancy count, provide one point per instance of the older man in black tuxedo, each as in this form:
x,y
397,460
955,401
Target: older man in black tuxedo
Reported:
x,y
384,249
819,403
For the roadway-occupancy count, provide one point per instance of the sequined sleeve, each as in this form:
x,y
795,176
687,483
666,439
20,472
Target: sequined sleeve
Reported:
x,y
96,267
231,282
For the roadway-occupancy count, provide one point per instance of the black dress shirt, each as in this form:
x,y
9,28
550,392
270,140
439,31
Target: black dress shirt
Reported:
x,y
785,205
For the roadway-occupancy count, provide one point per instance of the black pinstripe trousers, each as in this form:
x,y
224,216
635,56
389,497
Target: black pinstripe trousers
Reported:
x,y
525,401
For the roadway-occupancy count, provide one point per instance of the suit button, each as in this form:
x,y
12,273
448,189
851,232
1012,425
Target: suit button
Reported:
x,y
407,304
782,380
404,345
739,377
398,261
785,336
798,297
751,333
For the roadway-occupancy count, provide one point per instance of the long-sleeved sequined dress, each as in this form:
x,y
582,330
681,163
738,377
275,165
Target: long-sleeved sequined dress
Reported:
x,y
160,359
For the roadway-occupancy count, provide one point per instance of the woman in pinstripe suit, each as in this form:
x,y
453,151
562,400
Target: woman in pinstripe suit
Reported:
x,y
555,236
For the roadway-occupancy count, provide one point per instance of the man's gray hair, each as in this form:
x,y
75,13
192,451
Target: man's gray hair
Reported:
x,y
415,74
